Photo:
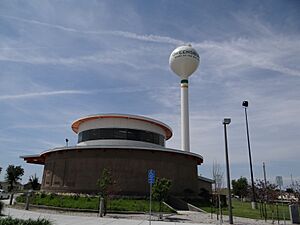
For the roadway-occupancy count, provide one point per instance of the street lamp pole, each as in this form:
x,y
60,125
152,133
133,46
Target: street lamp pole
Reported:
x,y
227,121
253,202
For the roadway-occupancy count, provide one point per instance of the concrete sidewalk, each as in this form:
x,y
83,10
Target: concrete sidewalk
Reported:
x,y
61,219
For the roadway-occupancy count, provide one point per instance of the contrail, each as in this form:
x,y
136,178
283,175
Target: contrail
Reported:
x,y
130,35
39,94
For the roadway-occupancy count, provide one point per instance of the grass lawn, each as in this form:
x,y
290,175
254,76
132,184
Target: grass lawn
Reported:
x,y
79,202
243,209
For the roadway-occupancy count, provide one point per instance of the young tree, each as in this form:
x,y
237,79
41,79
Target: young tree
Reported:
x,y
13,175
218,178
105,183
1,207
0,173
34,182
160,190
218,175
1,203
266,192
296,190
240,187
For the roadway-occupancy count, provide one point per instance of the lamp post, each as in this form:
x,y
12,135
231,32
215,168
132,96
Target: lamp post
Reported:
x,y
253,202
227,121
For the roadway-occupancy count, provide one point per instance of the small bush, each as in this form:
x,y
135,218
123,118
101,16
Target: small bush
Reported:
x,y
76,197
43,195
21,198
11,221
53,195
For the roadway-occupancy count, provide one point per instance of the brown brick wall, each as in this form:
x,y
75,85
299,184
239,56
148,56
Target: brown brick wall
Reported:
x,y
78,170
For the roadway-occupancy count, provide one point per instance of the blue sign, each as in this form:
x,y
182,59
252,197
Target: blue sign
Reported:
x,y
151,176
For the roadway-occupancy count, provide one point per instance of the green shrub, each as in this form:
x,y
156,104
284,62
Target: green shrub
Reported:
x,y
11,221
53,195
76,197
43,195
21,198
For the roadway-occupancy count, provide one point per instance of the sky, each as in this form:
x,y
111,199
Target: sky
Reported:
x,y
62,60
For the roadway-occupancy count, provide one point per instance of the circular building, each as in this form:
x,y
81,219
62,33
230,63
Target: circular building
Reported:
x,y
128,146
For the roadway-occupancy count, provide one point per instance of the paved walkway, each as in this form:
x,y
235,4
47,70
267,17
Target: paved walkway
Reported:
x,y
72,218
61,219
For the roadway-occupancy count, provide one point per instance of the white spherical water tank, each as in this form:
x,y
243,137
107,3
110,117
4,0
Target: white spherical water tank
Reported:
x,y
184,61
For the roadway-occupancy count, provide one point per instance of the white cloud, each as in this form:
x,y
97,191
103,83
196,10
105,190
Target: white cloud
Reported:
x,y
266,51
39,126
41,94
244,54
124,34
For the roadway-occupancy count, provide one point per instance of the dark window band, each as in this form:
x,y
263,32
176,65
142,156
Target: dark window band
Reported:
x,y
121,134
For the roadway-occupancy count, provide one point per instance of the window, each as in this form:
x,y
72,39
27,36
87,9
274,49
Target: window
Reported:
x,y
121,134
107,133
147,136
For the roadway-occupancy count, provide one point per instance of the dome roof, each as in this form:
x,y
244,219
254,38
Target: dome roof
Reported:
x,y
78,122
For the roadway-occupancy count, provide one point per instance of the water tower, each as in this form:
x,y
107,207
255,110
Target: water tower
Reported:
x,y
184,61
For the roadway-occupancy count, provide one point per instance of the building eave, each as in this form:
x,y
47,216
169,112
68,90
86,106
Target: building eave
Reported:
x,y
34,159
40,158
206,179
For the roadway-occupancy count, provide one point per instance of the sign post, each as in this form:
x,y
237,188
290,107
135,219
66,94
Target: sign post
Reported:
x,y
151,180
